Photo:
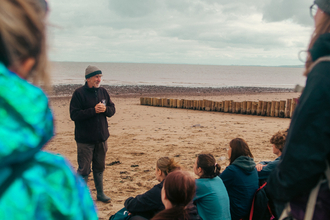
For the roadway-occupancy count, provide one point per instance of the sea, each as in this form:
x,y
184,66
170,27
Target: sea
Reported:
x,y
180,75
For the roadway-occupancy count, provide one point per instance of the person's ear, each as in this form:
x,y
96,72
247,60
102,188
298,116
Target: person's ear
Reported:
x,y
24,67
199,170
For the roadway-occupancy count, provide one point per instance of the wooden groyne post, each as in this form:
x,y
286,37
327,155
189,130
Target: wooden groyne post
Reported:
x,y
282,109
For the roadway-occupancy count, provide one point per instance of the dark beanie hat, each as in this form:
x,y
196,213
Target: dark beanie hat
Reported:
x,y
324,5
92,71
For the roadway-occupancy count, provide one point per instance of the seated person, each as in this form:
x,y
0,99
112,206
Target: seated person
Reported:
x,y
177,194
265,167
240,178
211,197
150,203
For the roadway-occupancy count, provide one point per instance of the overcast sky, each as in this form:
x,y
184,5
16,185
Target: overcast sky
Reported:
x,y
221,32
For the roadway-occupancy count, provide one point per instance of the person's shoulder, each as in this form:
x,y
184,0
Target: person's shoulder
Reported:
x,y
216,179
230,172
159,185
80,91
321,70
102,89
81,88
156,188
53,171
231,168
206,181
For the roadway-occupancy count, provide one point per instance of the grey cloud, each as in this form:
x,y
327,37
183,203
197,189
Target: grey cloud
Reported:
x,y
151,30
133,9
279,10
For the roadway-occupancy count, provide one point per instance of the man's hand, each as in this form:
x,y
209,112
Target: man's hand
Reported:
x,y
259,167
100,107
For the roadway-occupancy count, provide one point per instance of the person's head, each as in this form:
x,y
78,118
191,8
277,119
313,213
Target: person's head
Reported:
x,y
22,38
164,166
322,10
178,189
238,147
93,76
206,167
322,26
278,141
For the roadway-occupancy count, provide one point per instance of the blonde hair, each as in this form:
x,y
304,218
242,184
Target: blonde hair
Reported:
x,y
167,165
22,32
322,28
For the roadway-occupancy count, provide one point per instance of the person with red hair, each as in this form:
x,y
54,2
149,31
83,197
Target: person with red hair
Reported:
x,y
177,194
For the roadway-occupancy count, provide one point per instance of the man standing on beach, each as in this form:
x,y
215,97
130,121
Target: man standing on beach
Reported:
x,y
89,108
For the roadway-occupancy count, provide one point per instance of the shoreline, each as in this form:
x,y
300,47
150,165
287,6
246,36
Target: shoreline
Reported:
x,y
149,90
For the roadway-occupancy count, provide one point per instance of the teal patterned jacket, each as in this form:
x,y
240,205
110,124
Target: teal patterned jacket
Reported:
x,y
48,188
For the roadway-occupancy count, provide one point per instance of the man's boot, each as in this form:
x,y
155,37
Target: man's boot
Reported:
x,y
98,180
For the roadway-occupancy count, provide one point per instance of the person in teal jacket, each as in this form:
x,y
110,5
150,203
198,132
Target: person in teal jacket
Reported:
x,y
211,197
34,184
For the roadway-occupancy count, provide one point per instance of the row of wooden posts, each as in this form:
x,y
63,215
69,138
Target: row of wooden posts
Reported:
x,y
282,109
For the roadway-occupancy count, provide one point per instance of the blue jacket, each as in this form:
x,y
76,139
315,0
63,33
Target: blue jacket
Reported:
x,y
212,199
241,181
47,187
266,170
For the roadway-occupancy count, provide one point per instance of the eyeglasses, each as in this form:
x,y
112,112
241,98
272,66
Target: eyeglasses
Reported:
x,y
313,9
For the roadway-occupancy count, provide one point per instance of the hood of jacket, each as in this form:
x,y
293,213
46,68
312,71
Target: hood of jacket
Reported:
x,y
245,163
321,47
26,122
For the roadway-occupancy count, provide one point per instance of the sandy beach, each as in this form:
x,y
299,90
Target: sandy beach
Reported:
x,y
139,135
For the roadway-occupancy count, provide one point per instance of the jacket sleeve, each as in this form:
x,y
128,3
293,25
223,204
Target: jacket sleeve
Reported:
x,y
266,170
265,162
111,110
307,147
150,200
77,113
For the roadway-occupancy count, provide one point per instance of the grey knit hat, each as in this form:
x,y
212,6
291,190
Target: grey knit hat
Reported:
x,y
92,71
324,5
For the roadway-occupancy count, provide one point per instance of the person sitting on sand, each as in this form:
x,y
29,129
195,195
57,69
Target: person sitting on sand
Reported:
x,y
177,194
211,197
150,203
240,178
265,167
